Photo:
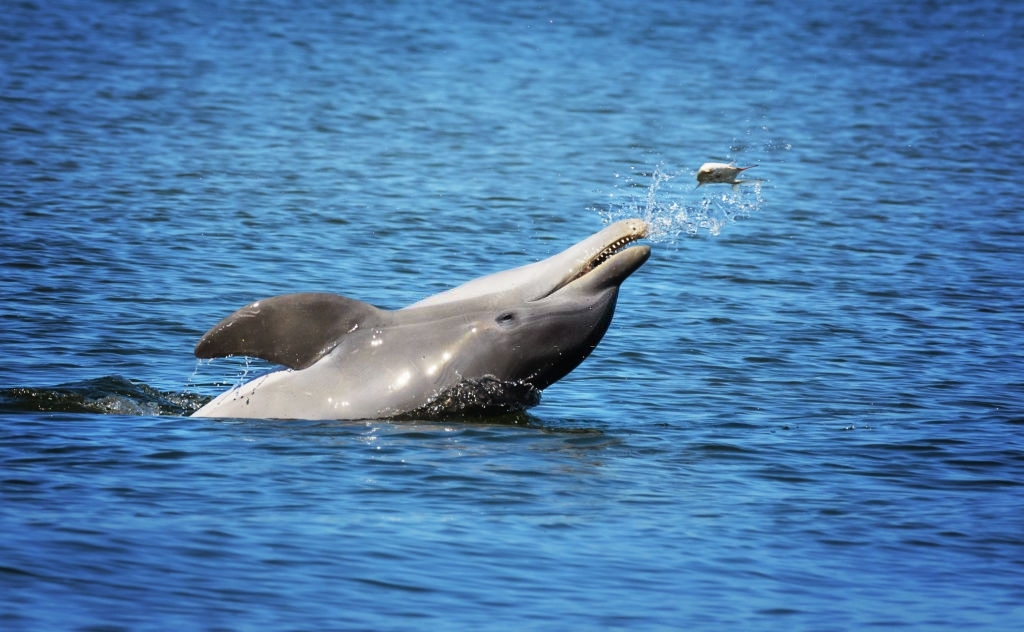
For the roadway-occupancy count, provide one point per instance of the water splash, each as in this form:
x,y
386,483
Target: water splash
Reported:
x,y
208,376
486,397
673,205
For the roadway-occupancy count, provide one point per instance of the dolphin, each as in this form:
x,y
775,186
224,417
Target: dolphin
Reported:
x,y
487,346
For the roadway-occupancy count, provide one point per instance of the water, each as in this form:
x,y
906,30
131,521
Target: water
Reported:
x,y
806,415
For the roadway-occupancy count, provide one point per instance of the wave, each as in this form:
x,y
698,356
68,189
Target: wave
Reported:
x,y
112,394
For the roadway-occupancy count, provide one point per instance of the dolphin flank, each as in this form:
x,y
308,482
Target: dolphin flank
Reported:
x,y
515,332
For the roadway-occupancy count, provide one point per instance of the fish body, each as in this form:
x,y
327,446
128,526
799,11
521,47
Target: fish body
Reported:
x,y
720,172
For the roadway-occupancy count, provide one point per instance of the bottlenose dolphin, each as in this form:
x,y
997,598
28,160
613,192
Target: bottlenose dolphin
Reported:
x,y
486,346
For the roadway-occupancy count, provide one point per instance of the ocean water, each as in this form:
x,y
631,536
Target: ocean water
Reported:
x,y
806,415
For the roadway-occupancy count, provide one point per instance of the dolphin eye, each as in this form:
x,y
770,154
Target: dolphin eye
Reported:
x,y
506,319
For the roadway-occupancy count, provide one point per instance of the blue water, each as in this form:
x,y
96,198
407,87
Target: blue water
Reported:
x,y
808,413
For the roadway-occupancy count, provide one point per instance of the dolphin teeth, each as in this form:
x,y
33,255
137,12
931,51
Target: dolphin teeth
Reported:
x,y
610,250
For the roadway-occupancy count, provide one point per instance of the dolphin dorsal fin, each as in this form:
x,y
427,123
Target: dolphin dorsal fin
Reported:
x,y
294,330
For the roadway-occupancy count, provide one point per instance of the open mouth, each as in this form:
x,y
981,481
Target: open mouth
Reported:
x,y
616,246
636,230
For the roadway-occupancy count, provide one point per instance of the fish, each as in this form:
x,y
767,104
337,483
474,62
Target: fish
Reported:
x,y
720,172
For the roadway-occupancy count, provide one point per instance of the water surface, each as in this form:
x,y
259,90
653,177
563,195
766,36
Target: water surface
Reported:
x,y
807,413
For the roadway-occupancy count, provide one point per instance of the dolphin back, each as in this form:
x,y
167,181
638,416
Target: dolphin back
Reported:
x,y
294,330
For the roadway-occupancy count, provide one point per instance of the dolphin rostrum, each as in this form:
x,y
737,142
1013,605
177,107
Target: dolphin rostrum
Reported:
x,y
487,346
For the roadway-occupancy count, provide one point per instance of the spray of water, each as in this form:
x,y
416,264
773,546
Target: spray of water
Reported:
x,y
673,205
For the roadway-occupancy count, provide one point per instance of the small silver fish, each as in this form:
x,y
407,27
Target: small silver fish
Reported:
x,y
720,172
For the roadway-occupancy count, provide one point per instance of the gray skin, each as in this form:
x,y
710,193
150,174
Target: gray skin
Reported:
x,y
523,327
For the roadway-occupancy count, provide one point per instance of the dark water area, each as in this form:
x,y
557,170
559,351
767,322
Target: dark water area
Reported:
x,y
806,415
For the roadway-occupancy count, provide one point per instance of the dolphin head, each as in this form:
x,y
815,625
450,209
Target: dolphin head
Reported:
x,y
558,331
551,315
